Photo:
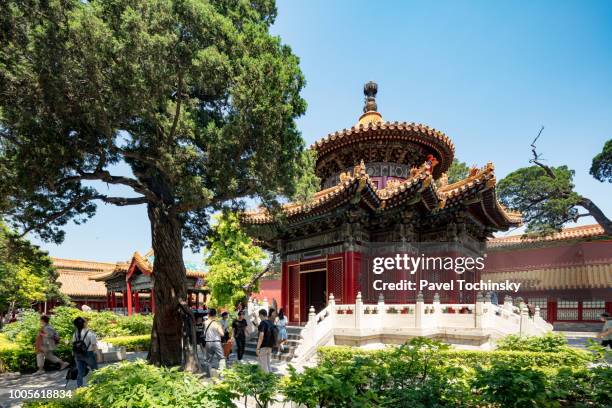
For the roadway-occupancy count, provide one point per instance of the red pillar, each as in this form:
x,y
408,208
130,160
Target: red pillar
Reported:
x,y
197,295
285,286
137,301
129,298
113,300
108,300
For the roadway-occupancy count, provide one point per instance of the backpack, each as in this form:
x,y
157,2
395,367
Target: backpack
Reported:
x,y
79,346
271,334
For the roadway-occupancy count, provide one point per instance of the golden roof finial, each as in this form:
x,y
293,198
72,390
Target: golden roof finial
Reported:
x,y
370,114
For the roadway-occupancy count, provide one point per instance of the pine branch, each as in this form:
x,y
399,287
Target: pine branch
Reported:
x,y
537,157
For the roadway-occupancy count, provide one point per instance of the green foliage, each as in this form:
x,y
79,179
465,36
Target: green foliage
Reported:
x,y
548,343
249,380
601,167
232,259
141,385
197,98
23,359
104,324
546,203
26,272
306,181
457,171
512,385
131,343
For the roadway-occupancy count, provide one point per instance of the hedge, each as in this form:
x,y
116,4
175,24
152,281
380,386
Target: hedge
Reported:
x,y
24,360
131,343
570,357
16,358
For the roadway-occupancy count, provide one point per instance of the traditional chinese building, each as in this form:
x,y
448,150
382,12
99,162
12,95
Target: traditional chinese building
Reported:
x,y
382,183
567,274
124,287
129,286
73,277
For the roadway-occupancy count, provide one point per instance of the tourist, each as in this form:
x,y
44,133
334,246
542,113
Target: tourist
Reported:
x,y
606,331
213,333
84,347
225,324
46,342
239,326
281,323
265,341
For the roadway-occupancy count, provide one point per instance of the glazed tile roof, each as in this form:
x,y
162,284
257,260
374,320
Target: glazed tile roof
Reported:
x,y
375,131
398,191
580,232
143,264
592,276
74,277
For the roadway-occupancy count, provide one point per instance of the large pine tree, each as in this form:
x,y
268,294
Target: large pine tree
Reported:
x,y
195,96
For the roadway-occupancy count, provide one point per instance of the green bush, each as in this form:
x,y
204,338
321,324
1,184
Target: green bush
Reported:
x,y
249,380
548,343
104,324
15,357
511,385
568,357
18,359
131,343
141,385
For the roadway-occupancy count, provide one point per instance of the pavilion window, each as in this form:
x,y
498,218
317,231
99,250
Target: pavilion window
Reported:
x,y
567,310
592,309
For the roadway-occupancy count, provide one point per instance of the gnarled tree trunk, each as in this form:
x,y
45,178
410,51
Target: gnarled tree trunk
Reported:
x,y
596,213
173,334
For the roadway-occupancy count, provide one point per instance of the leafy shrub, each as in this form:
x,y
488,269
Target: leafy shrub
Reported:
x,y
548,343
453,357
15,357
511,385
19,359
141,385
104,324
25,329
249,380
131,343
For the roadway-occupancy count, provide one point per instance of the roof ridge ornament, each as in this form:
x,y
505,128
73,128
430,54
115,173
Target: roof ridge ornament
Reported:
x,y
370,89
370,114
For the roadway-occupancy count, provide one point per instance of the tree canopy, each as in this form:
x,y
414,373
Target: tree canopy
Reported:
x,y
601,167
233,261
26,273
457,171
194,98
546,197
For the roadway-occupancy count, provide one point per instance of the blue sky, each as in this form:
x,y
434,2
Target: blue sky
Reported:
x,y
488,74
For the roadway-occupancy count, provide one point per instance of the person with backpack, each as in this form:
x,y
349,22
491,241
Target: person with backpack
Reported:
x,y
84,347
46,342
265,341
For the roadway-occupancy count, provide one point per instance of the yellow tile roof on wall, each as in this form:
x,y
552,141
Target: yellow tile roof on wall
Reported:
x,y
581,232
598,276
62,263
77,284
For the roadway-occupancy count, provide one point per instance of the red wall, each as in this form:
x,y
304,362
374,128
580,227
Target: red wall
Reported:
x,y
270,289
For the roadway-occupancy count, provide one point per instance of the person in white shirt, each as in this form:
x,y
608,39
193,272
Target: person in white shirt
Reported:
x,y
84,347
213,335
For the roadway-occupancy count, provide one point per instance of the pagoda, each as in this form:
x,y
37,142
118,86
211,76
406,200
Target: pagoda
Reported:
x,y
381,182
